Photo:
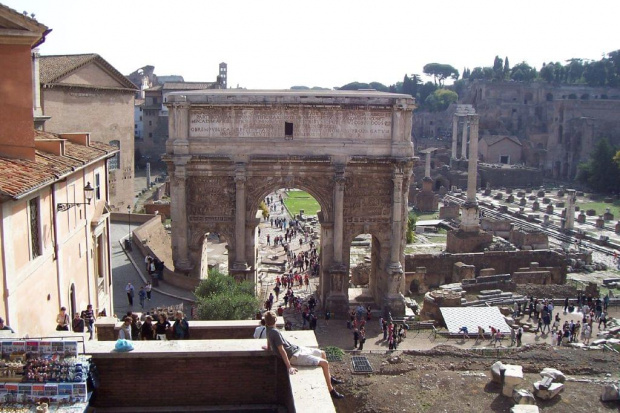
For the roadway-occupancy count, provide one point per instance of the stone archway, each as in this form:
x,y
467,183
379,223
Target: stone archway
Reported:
x,y
351,151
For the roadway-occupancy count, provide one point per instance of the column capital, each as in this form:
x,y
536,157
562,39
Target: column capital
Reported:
x,y
240,177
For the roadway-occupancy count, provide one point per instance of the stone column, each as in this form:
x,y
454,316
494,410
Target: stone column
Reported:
x,y
570,209
240,258
464,142
469,210
455,137
397,220
427,168
178,201
338,213
472,168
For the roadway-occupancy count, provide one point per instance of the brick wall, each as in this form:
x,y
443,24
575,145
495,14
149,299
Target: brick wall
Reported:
x,y
191,381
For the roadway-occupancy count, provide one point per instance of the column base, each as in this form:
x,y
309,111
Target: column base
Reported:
x,y
395,304
183,266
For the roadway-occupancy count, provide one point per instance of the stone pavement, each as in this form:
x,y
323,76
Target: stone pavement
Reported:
x,y
132,270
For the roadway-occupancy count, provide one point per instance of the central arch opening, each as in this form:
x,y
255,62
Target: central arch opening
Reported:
x,y
287,242
363,258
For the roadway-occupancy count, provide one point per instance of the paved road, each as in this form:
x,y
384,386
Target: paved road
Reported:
x,y
123,271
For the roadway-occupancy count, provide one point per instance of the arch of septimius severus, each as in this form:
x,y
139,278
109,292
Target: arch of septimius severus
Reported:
x,y
351,151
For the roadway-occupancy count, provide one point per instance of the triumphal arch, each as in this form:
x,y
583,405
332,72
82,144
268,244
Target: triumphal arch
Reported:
x,y
352,151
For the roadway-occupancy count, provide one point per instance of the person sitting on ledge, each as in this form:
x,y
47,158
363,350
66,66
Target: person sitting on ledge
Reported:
x,y
293,355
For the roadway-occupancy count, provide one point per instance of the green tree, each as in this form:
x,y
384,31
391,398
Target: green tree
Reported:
x,y
354,86
506,68
378,86
411,220
440,72
601,172
498,68
546,72
425,91
440,99
575,69
595,73
221,297
522,72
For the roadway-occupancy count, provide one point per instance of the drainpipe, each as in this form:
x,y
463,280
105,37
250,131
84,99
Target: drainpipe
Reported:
x,y
56,248
7,317
87,237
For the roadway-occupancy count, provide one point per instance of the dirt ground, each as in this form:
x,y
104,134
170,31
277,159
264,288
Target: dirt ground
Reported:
x,y
449,379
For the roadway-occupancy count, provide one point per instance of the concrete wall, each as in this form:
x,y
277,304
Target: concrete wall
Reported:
x,y
107,116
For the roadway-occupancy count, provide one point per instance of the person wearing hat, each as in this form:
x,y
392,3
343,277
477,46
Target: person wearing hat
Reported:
x,y
4,326
293,355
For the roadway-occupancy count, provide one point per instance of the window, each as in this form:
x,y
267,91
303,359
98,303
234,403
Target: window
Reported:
x,y
505,159
288,130
35,234
150,135
114,162
150,123
97,186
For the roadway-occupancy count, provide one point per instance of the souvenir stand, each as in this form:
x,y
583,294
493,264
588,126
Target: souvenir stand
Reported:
x,y
49,375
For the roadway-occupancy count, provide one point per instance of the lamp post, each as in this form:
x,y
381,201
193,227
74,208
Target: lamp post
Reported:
x,y
88,196
128,244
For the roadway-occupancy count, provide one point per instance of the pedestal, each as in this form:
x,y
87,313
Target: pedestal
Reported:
x,y
338,297
394,301
469,217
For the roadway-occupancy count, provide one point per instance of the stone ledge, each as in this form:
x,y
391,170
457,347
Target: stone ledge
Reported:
x,y
196,348
310,392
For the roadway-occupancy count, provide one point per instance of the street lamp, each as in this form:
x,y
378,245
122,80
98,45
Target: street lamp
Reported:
x,y
88,195
129,227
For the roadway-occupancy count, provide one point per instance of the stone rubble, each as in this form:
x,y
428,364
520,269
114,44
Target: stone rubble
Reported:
x,y
610,393
555,374
523,396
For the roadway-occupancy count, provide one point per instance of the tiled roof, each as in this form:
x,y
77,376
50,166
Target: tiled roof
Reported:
x,y
53,68
19,176
12,20
493,139
189,85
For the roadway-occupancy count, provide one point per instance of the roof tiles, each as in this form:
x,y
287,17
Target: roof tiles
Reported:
x,y
19,176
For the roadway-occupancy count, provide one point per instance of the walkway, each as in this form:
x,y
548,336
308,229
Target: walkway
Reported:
x,y
125,270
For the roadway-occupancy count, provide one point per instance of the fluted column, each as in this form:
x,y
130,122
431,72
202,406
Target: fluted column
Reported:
x,y
338,213
397,219
464,140
455,133
240,258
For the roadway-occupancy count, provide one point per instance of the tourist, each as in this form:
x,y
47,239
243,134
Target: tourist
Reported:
x,y
576,332
146,331
328,315
62,320
498,338
130,293
566,305
556,323
161,326
546,322
299,356
356,337
77,324
480,336
148,287
313,321
606,302
519,336
88,316
135,324
465,332
180,328
125,332
368,312
384,327
602,319
142,296
147,262
362,338
513,336
587,332
4,326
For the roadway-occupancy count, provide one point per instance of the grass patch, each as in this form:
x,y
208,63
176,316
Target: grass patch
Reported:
x,y
334,353
600,207
298,200
426,217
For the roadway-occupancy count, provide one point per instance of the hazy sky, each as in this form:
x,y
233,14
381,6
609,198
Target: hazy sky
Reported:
x,y
279,44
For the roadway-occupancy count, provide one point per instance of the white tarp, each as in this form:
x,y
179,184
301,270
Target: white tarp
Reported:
x,y
472,317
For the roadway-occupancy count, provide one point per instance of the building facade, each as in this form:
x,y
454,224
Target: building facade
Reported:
x,y
85,93
54,243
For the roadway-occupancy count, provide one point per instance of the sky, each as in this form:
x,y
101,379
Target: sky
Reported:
x,y
278,44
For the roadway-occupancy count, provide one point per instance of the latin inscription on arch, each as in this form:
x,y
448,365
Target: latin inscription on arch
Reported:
x,y
334,123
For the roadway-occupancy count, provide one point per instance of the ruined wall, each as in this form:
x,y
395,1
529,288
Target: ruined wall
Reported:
x,y
504,262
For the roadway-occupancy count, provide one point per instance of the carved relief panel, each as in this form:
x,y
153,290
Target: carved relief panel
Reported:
x,y
210,199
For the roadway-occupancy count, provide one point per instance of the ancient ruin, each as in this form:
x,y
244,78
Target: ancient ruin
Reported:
x,y
351,151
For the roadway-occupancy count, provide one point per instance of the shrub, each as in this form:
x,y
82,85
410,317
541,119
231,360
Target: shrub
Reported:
x,y
221,297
